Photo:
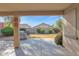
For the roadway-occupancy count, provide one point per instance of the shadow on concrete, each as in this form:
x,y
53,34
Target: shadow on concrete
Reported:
x,y
19,52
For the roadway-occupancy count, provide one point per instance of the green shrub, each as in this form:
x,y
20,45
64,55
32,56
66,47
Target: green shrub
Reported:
x,y
7,31
50,31
56,30
58,39
40,31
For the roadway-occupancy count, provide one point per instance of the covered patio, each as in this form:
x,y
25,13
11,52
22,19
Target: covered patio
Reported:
x,y
35,47
69,11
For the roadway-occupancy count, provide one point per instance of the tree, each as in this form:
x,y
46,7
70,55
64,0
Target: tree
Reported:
x,y
50,31
59,24
7,30
56,30
8,21
38,30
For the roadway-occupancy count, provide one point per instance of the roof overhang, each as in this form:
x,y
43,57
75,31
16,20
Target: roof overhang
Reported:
x,y
33,8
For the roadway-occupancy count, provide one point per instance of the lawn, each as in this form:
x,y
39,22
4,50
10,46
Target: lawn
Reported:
x,y
43,35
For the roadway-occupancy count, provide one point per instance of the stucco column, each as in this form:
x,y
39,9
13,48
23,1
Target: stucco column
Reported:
x,y
16,32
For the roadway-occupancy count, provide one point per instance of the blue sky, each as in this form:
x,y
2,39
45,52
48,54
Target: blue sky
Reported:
x,y
1,19
35,20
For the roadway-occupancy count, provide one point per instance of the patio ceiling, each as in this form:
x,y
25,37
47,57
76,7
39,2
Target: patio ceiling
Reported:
x,y
33,9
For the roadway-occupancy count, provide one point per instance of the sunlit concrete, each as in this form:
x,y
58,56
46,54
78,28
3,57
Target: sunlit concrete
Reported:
x,y
34,47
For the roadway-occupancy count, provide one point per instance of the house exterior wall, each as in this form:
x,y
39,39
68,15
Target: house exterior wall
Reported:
x,y
33,30
44,26
69,39
78,22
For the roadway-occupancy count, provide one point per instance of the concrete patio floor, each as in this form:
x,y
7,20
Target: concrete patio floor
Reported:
x,y
33,47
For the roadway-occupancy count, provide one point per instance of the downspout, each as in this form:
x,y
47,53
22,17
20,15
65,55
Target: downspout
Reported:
x,y
76,23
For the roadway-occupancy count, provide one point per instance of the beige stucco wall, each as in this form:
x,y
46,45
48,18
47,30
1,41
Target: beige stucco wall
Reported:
x,y
69,38
78,22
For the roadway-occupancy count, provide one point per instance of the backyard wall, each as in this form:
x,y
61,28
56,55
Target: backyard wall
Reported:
x,y
72,20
